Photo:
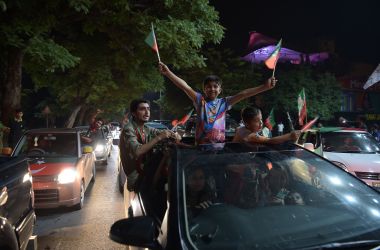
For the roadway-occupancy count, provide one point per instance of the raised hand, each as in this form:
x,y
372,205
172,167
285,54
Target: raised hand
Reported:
x,y
271,82
163,68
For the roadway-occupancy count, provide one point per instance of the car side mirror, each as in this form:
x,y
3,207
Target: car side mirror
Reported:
x,y
6,151
135,231
87,149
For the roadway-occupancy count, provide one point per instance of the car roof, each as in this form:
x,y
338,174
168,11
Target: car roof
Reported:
x,y
233,147
53,130
337,129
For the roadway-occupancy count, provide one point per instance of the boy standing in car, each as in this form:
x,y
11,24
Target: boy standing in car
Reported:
x,y
136,140
211,110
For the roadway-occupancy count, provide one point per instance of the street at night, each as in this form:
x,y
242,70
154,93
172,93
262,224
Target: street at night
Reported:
x,y
87,228
189,124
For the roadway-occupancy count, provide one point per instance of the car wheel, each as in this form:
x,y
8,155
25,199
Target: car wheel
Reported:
x,y
121,185
93,173
81,202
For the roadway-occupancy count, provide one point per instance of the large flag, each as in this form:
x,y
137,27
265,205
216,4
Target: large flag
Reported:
x,y
270,121
152,42
258,40
302,110
374,78
272,59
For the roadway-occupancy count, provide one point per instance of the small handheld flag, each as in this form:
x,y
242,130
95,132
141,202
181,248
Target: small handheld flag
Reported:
x,y
184,119
302,109
273,58
152,42
309,124
270,121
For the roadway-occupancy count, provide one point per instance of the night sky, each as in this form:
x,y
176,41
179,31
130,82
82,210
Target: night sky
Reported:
x,y
353,25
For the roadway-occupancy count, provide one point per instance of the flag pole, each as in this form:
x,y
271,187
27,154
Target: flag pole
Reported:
x,y
275,64
155,40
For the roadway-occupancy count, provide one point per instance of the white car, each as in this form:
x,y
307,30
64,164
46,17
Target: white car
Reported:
x,y
354,150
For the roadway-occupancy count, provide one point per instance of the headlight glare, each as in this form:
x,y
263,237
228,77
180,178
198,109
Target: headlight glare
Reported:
x,y
99,148
67,175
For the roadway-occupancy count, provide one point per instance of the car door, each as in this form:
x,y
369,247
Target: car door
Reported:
x,y
86,161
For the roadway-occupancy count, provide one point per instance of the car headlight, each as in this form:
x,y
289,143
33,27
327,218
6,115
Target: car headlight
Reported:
x,y
99,148
341,165
67,175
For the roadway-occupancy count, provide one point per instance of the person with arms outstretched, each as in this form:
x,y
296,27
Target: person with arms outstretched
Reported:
x,y
211,110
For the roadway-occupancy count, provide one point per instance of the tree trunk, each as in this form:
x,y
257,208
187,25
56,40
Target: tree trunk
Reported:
x,y
81,117
11,96
73,116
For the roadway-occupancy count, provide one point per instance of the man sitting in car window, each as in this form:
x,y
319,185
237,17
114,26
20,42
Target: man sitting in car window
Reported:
x,y
94,133
136,140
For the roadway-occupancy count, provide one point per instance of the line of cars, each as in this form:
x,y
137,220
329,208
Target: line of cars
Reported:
x,y
48,168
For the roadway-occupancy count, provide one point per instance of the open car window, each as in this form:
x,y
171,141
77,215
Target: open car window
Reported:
x,y
276,199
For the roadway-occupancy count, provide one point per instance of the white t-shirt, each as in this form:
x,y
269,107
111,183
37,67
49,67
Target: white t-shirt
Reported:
x,y
280,127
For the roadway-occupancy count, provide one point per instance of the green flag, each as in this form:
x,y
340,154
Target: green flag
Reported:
x,y
302,110
152,42
270,121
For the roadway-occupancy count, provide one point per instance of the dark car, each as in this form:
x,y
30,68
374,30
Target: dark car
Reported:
x,y
17,216
245,196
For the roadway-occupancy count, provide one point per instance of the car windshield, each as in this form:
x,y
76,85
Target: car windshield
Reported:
x,y
349,142
48,144
276,199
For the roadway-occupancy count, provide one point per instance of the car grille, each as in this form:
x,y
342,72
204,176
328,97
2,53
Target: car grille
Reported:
x,y
47,195
44,178
367,175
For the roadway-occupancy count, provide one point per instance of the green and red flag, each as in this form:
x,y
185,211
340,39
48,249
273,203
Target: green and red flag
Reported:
x,y
152,42
302,110
309,124
273,58
270,121
184,119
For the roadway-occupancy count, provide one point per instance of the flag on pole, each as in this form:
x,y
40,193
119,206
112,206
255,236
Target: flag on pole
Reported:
x,y
302,110
374,78
184,119
152,42
270,121
272,59
309,124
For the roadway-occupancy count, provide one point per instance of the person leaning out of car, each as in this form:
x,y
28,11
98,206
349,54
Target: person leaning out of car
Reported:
x,y
136,140
253,124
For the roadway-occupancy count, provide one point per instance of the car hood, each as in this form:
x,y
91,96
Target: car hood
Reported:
x,y
50,166
356,162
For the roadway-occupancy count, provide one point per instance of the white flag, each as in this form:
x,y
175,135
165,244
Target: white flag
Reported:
x,y
374,78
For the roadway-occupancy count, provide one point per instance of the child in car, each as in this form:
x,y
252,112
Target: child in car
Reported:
x,y
253,125
211,110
